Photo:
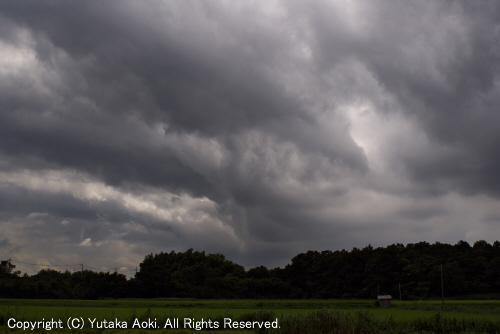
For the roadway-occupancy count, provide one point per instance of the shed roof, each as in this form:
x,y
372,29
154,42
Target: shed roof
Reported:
x,y
384,297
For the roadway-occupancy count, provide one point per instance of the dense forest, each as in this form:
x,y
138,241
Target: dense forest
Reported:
x,y
359,273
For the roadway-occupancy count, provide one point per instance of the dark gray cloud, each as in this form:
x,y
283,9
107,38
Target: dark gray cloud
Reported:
x,y
247,129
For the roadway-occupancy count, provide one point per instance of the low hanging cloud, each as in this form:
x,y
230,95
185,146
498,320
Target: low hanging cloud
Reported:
x,y
254,130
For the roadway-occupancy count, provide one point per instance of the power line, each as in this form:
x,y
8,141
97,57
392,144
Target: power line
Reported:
x,y
91,267
46,265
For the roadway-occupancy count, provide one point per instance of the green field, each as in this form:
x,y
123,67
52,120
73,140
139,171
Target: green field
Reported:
x,y
160,310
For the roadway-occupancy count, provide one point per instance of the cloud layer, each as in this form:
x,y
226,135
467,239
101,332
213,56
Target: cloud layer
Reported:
x,y
255,130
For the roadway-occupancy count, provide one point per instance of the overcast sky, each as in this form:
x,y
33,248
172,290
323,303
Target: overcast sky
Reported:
x,y
255,129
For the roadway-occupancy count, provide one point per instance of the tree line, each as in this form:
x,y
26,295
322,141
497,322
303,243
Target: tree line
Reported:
x,y
414,269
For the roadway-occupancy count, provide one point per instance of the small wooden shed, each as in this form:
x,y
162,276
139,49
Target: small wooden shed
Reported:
x,y
384,300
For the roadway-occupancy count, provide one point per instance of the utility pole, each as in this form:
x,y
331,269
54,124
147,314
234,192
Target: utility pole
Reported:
x,y
82,270
442,286
400,302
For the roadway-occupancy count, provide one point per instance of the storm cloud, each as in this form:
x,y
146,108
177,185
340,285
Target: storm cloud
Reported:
x,y
254,129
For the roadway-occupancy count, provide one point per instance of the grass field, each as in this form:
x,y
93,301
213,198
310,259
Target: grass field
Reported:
x,y
239,310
